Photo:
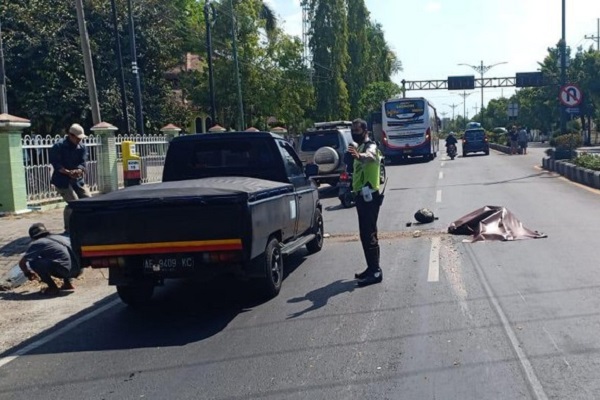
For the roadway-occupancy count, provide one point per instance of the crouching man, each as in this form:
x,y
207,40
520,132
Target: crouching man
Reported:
x,y
49,256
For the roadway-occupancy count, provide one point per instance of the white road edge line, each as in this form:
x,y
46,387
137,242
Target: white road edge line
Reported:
x,y
71,325
433,275
534,382
441,175
438,196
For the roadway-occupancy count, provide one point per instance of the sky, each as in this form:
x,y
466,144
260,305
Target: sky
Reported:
x,y
432,37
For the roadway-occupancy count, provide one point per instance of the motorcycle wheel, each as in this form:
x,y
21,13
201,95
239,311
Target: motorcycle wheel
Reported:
x,y
347,200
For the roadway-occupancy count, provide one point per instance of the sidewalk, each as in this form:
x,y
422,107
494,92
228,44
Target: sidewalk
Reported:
x,y
14,237
26,313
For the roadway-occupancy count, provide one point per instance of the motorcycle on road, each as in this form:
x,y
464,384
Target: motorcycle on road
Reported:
x,y
451,151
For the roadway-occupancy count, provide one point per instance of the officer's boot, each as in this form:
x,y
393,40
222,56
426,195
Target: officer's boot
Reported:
x,y
374,273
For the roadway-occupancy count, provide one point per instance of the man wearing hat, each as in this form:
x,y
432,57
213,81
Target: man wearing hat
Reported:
x,y
68,158
49,256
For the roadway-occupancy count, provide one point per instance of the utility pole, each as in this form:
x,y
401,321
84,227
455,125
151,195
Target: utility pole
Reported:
x,y
137,90
482,69
453,106
563,69
237,69
208,14
597,37
443,114
464,95
3,100
87,62
476,109
120,66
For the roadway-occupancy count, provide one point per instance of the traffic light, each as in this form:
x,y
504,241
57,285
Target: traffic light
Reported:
x,y
461,82
529,79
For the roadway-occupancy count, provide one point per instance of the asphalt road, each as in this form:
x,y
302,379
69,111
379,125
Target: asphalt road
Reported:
x,y
452,320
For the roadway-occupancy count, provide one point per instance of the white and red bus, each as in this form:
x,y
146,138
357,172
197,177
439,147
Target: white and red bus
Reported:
x,y
409,128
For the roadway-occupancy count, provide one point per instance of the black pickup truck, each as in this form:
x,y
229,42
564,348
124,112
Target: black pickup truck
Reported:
x,y
232,202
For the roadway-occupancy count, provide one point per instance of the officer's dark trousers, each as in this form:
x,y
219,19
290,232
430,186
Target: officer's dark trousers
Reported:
x,y
368,212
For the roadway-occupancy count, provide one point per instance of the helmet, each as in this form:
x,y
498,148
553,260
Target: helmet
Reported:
x,y
451,133
424,215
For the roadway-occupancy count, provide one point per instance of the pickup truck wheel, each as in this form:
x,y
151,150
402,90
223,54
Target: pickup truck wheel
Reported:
x,y
316,244
135,295
273,264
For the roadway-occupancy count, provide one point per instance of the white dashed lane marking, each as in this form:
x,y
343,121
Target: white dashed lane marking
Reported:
x,y
433,275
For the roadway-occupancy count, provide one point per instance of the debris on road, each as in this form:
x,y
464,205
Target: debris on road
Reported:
x,y
492,223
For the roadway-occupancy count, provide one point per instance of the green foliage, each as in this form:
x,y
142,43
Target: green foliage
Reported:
x,y
588,161
44,66
374,94
568,141
329,46
358,50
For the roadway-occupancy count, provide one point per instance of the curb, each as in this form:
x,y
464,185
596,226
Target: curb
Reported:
x,y
575,173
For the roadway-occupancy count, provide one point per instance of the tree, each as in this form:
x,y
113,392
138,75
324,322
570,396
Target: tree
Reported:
x,y
358,51
329,47
40,49
375,94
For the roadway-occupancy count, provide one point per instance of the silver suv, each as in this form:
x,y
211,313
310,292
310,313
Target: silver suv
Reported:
x,y
325,146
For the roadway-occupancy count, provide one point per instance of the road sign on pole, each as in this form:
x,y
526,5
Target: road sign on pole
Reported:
x,y
570,95
513,110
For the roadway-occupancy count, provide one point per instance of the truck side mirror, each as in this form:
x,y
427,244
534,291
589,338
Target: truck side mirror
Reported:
x,y
311,170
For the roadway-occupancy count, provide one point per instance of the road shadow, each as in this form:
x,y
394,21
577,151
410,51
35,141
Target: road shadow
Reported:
x,y
180,313
15,247
35,296
327,192
320,297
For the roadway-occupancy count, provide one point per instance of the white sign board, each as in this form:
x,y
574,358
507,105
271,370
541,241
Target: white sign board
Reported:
x,y
133,165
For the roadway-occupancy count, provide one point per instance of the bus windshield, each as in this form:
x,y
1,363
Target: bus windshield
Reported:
x,y
404,109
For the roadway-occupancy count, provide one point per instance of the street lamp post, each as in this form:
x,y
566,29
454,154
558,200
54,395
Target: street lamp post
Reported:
x,y
563,69
3,100
137,90
208,15
464,95
482,69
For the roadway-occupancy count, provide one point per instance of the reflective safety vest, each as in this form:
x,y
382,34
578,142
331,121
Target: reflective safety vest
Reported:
x,y
366,173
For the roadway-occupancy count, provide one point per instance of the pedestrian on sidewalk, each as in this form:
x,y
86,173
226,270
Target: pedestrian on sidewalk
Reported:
x,y
522,138
68,158
513,136
49,256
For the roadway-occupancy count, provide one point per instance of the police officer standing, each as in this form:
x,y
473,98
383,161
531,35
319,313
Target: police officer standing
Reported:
x,y
365,186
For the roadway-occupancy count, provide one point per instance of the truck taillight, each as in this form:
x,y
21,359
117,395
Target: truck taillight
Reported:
x,y
107,262
222,257
344,176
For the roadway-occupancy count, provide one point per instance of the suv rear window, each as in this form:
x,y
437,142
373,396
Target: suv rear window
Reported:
x,y
478,134
313,141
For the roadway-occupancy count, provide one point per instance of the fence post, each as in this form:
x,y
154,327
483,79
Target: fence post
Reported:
x,y
170,131
107,157
13,199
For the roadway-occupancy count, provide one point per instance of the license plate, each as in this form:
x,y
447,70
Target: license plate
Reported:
x,y
408,151
168,264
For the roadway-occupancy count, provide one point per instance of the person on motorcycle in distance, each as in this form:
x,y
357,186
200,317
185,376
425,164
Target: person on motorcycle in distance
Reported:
x,y
451,140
